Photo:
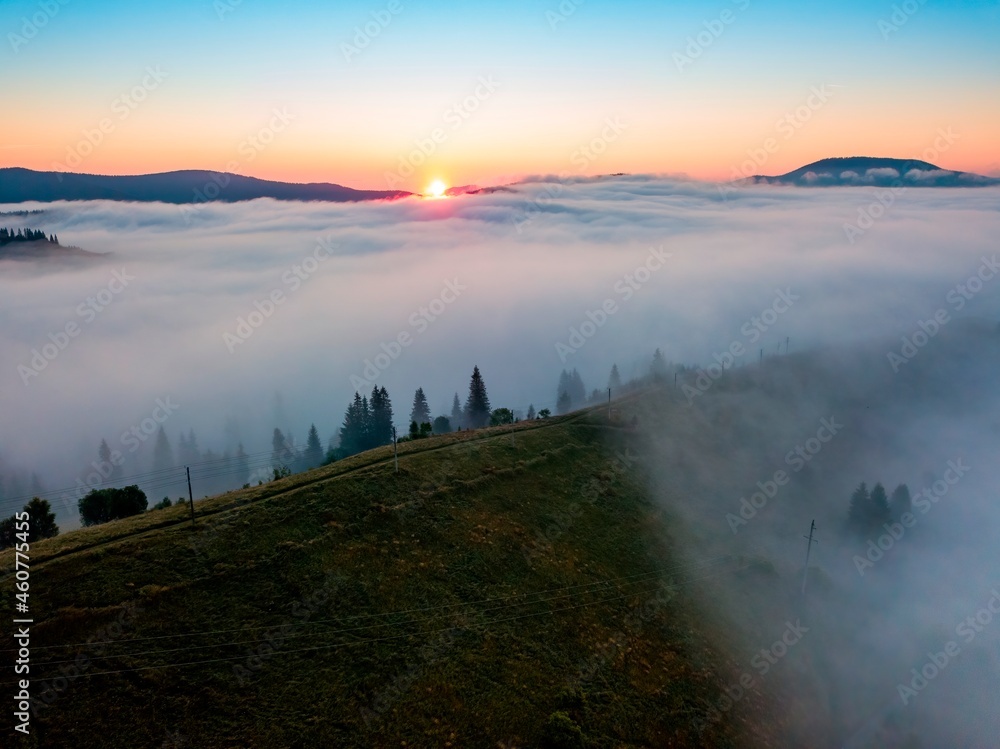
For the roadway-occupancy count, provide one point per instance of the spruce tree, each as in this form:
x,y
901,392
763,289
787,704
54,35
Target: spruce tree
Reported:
x,y
477,406
420,412
860,513
242,465
880,512
900,503
314,449
658,368
280,452
104,453
457,417
188,451
531,412
614,380
163,454
380,421
564,387
352,433
577,392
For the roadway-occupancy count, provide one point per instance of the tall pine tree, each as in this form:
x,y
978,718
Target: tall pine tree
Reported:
x,y
380,421
614,380
421,412
477,405
860,513
163,454
314,449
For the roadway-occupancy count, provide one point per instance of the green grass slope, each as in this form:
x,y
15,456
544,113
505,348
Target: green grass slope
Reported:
x,y
512,587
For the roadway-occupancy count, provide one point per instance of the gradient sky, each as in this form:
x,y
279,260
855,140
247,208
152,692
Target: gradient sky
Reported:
x,y
230,64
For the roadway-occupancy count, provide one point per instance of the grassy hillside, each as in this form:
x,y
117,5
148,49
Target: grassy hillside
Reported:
x,y
511,587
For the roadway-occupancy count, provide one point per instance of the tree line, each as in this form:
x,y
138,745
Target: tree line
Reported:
x,y
870,510
25,235
368,423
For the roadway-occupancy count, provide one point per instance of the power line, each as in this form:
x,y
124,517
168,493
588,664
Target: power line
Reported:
x,y
380,639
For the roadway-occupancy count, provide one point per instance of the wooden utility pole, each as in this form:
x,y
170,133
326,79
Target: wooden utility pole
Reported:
x,y
805,573
609,404
190,493
395,453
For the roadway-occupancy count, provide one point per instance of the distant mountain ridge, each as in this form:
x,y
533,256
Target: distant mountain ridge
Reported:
x,y
877,171
18,185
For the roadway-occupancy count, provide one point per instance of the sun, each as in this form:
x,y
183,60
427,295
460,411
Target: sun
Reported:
x,y
436,189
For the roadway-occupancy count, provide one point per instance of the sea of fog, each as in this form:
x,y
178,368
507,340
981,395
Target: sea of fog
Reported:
x,y
234,319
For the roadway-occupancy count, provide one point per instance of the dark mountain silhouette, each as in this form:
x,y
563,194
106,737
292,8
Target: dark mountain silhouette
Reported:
x,y
881,172
18,185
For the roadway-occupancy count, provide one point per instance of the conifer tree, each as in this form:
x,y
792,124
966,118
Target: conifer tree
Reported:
x,y
614,380
104,453
314,449
163,454
380,419
860,512
477,405
242,465
900,503
880,512
420,412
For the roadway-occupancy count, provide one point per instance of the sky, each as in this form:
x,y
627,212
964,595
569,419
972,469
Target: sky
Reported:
x,y
398,93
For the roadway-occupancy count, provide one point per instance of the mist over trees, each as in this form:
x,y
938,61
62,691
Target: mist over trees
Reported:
x,y
368,422
7,236
870,510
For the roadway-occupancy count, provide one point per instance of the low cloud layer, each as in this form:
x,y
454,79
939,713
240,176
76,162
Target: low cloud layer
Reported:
x,y
268,314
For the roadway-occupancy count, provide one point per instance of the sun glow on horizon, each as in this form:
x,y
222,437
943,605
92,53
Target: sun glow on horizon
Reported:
x,y
436,189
